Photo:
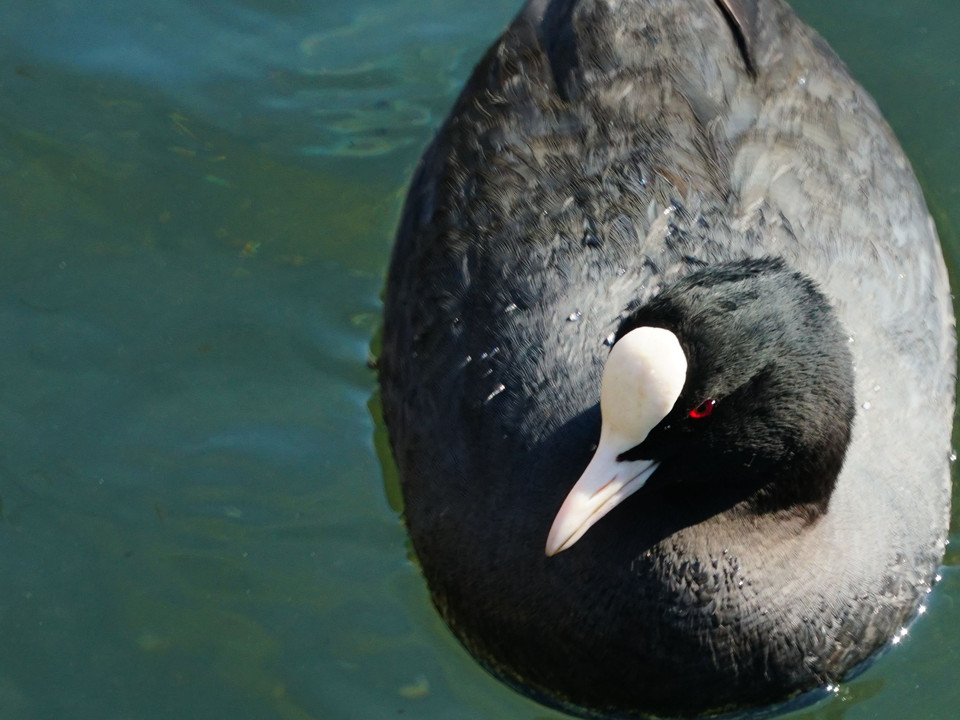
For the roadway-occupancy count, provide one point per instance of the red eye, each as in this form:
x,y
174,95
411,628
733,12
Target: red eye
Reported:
x,y
703,409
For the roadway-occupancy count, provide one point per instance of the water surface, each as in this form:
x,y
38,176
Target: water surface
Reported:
x,y
196,205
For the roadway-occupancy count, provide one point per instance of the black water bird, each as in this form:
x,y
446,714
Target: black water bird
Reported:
x,y
668,361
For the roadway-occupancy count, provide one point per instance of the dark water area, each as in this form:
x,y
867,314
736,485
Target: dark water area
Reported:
x,y
197,202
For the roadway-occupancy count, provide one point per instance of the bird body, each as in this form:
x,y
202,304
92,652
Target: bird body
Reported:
x,y
603,153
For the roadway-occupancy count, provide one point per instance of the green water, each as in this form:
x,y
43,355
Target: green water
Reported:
x,y
196,208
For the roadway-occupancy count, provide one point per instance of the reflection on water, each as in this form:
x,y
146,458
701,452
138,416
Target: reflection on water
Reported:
x,y
196,203
321,78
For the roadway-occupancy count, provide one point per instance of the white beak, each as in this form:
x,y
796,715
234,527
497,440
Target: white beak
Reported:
x,y
642,379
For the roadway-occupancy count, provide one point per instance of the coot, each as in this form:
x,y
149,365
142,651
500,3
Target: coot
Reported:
x,y
668,361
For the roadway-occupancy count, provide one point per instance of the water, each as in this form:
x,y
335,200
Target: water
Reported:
x,y
196,205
